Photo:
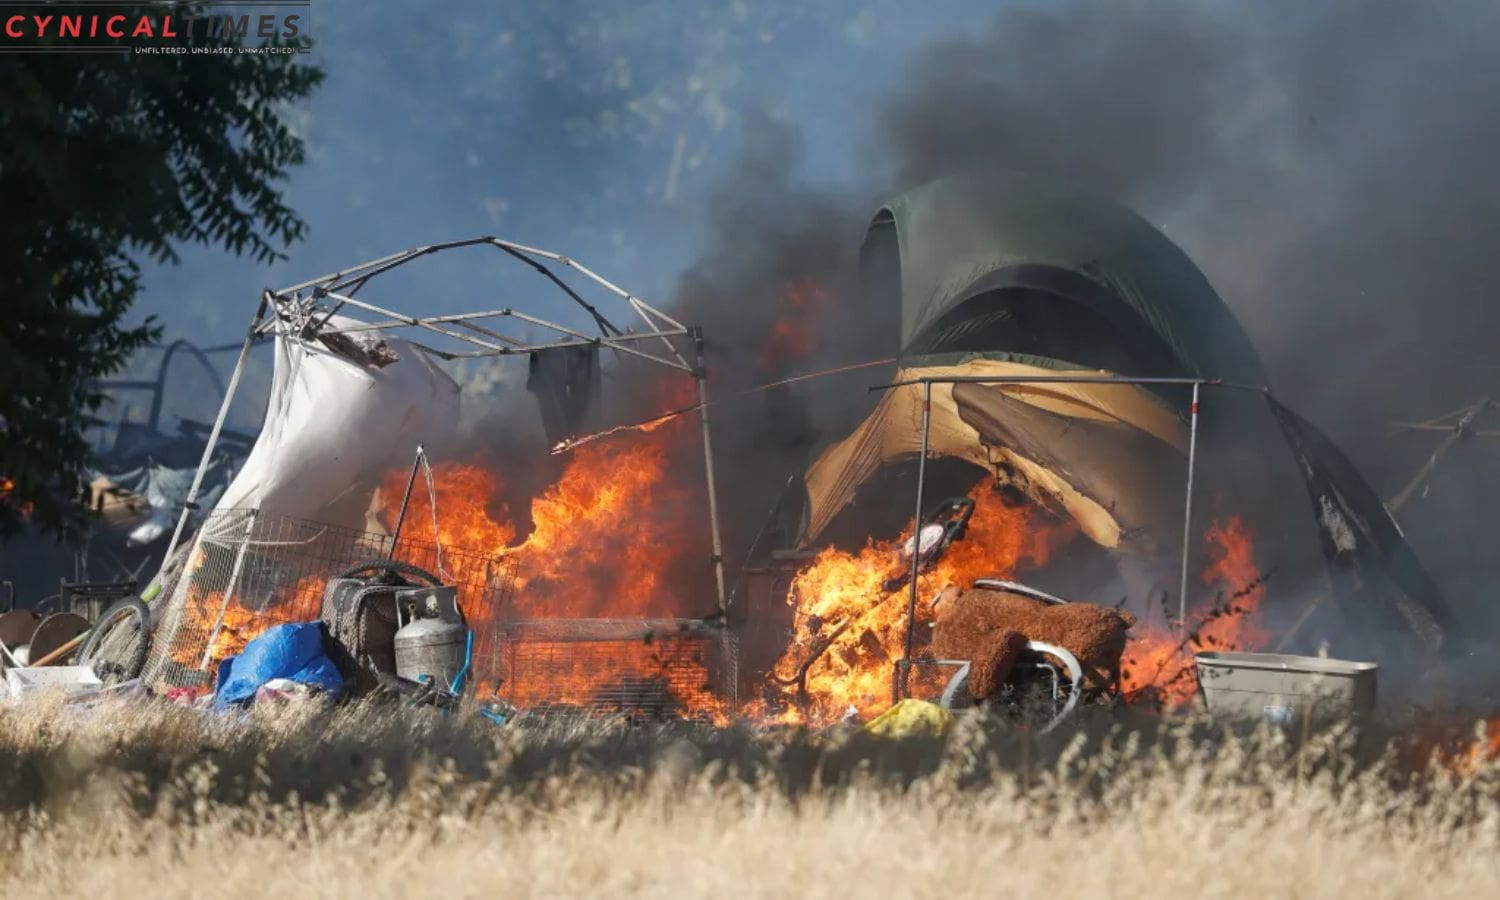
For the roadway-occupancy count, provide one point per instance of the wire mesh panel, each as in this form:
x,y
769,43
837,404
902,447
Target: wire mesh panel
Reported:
x,y
248,572
639,667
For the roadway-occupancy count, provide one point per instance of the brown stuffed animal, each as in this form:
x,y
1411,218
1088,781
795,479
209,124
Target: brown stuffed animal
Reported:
x,y
979,624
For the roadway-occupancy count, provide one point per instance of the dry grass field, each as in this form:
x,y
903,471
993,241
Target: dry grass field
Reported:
x,y
155,801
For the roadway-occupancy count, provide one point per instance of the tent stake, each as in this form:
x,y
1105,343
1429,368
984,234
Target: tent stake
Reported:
x,y
1187,513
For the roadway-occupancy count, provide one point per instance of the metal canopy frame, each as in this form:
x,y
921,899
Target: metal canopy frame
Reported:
x,y
307,302
303,311
1459,426
1197,384
158,385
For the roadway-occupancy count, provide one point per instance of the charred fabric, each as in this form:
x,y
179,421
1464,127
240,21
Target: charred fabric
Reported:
x,y
1071,484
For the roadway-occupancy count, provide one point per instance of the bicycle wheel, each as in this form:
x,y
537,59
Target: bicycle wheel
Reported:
x,y
118,645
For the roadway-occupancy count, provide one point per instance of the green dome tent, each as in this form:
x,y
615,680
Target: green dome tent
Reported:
x,y
1010,276
1021,267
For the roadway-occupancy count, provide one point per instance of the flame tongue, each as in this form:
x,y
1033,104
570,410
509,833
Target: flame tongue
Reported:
x,y
850,631
604,536
606,540
790,339
201,614
1159,664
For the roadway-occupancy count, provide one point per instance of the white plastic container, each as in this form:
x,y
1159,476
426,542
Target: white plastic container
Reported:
x,y
1285,690
71,680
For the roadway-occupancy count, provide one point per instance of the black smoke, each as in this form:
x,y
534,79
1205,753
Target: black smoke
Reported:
x,y
1329,167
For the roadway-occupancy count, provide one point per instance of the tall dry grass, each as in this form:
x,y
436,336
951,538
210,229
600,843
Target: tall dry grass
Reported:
x,y
157,801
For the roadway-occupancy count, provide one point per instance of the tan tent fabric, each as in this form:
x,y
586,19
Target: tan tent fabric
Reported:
x,y
1124,432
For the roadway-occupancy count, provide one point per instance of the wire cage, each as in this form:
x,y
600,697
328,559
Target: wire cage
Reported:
x,y
641,668
248,572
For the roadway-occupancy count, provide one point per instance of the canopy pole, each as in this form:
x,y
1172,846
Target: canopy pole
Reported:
x,y
916,544
191,503
1187,513
700,374
1457,433
411,479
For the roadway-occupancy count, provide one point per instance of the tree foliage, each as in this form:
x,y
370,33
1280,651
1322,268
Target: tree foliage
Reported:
x,y
106,161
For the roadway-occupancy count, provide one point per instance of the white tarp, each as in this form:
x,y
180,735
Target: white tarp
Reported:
x,y
334,426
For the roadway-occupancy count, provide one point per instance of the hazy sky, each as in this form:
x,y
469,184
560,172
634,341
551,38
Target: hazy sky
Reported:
x,y
592,128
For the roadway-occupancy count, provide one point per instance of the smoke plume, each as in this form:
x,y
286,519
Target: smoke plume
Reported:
x,y
1329,167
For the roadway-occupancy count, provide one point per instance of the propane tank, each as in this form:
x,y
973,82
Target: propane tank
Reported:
x,y
434,642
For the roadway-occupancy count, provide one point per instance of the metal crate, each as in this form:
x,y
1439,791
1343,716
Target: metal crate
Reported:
x,y
248,572
651,668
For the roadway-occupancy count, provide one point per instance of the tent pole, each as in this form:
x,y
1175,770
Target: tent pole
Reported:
x,y
700,374
1187,513
916,543
1456,433
191,503
411,479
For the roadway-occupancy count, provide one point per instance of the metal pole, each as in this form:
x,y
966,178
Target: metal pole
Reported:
x,y
700,374
1458,433
916,541
1062,379
1187,513
405,498
191,503
234,577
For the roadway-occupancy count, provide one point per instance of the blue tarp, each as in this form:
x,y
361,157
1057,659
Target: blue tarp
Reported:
x,y
286,651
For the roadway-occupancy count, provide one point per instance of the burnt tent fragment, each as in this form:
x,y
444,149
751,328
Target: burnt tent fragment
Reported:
x,y
1374,570
567,385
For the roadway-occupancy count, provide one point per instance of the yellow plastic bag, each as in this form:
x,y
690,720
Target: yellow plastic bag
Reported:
x,y
911,718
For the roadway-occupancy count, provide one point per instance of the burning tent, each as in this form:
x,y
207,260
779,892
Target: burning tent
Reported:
x,y
1105,454
1020,278
1013,278
344,409
571,615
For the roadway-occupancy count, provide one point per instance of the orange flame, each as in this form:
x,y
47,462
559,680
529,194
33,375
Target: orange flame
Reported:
x,y
603,535
849,632
200,615
1483,749
1159,664
645,427
7,498
605,540
631,676
791,336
